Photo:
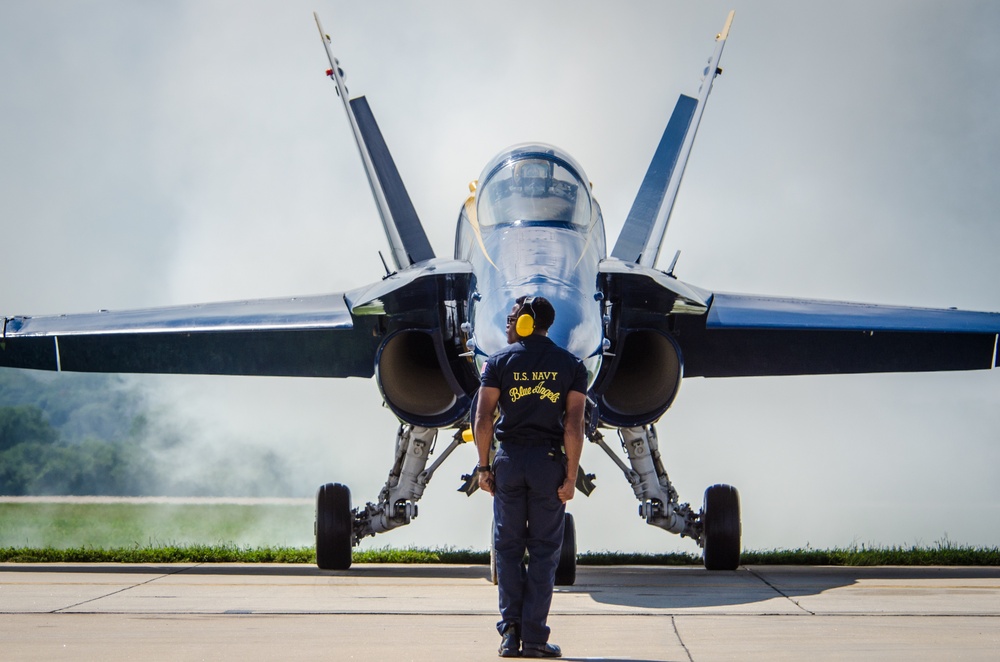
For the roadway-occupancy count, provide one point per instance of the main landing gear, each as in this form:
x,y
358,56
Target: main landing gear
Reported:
x,y
334,527
720,527
339,527
716,528
566,570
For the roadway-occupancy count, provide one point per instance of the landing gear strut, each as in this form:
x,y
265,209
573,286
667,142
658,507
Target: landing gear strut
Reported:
x,y
339,527
716,528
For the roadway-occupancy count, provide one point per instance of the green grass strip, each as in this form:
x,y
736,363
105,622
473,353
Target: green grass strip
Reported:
x,y
942,555
130,525
946,554
191,554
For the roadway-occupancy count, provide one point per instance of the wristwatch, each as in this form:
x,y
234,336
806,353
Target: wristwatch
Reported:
x,y
484,467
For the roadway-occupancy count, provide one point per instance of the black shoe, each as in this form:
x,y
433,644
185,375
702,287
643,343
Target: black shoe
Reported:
x,y
541,650
510,644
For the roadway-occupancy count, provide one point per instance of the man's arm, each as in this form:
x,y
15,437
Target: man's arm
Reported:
x,y
576,405
486,406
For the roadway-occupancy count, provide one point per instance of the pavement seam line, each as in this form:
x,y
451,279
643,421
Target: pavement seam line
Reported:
x,y
780,592
122,590
680,639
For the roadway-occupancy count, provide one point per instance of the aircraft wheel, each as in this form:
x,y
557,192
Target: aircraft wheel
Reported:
x,y
334,527
721,520
566,570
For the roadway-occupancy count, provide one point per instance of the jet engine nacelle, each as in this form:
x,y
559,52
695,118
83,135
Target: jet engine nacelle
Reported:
x,y
642,379
417,381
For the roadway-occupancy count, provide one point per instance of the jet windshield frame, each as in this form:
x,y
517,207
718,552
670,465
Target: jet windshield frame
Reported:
x,y
561,196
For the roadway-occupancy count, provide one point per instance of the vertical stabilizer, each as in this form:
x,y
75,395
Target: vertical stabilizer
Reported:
x,y
407,240
642,235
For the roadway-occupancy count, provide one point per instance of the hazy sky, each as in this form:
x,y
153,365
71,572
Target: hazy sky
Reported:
x,y
178,152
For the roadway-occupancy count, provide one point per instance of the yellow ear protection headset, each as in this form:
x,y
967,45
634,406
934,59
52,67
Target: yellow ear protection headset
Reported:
x,y
525,325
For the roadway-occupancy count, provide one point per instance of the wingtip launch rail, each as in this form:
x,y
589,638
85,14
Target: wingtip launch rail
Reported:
x,y
642,235
407,240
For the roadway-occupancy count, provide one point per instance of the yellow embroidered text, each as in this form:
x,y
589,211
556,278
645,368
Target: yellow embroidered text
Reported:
x,y
539,389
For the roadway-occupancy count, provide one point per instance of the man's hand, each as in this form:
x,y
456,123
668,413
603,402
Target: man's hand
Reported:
x,y
483,433
486,482
567,489
576,405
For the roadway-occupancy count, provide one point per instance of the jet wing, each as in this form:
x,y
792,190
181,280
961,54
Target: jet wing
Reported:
x,y
333,335
315,336
747,335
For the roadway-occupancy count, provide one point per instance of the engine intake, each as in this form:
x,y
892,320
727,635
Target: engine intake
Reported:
x,y
416,380
642,380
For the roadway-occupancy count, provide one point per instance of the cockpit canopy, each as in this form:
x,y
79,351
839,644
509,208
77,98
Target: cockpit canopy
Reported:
x,y
533,184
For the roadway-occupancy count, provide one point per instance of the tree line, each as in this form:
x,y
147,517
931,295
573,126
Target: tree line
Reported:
x,y
81,434
70,436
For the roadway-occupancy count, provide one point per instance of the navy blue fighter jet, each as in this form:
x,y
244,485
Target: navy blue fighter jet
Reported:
x,y
531,226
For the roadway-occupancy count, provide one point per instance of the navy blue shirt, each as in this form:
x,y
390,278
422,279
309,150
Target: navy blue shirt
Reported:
x,y
534,376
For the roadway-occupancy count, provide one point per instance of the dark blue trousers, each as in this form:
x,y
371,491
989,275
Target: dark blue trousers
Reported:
x,y
528,516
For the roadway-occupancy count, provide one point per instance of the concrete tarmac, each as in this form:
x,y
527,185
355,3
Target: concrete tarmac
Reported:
x,y
436,612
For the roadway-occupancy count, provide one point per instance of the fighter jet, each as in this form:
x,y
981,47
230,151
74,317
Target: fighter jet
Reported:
x,y
530,226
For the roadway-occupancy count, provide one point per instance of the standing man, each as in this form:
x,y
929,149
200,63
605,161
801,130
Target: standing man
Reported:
x,y
541,390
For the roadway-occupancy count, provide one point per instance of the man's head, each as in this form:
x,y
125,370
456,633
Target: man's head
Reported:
x,y
530,315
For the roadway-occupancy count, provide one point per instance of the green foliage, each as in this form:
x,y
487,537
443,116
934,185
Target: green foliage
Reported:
x,y
633,558
69,434
81,434
952,556
91,467
419,555
78,406
159,554
24,424
943,552
128,525
233,533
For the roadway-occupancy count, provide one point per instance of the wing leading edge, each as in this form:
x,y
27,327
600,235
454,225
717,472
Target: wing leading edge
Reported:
x,y
333,335
745,335
296,337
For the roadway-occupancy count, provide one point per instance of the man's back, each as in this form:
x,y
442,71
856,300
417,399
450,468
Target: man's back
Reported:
x,y
533,376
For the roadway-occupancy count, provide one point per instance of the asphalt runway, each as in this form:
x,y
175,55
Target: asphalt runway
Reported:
x,y
435,612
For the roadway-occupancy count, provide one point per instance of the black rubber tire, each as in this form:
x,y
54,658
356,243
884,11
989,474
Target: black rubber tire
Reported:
x,y
493,554
493,563
334,527
722,530
566,570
